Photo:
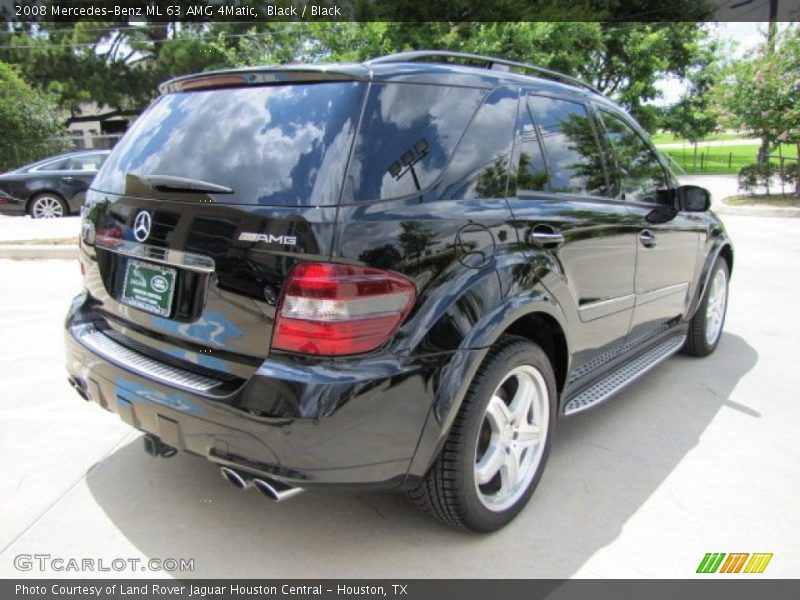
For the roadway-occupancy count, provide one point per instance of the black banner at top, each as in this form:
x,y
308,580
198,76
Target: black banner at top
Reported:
x,y
126,11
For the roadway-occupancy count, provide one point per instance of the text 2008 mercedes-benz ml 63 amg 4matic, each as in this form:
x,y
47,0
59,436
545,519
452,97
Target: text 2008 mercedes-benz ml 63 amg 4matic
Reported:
x,y
396,274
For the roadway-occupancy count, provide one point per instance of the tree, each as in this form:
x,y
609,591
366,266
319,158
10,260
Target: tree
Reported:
x,y
29,121
762,92
695,115
622,60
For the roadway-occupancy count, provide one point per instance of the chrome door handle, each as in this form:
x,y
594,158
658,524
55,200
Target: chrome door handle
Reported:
x,y
647,239
546,237
68,179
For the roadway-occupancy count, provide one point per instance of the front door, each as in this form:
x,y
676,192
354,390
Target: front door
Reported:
x,y
668,241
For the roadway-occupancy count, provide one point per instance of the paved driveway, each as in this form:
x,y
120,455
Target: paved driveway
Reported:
x,y
699,456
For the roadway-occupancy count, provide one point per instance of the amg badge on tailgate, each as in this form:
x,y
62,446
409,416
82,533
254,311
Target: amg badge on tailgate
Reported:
x,y
286,240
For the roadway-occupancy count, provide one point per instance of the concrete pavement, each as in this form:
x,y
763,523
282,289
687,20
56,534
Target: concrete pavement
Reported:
x,y
699,456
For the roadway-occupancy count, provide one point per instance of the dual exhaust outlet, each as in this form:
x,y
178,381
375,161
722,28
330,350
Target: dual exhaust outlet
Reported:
x,y
276,491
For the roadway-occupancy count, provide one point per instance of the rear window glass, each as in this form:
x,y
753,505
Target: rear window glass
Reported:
x,y
406,138
273,145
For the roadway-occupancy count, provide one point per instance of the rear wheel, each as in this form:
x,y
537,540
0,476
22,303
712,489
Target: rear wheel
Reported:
x,y
48,206
705,328
498,444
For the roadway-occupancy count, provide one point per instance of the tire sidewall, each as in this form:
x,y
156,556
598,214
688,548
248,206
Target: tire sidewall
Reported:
x,y
518,354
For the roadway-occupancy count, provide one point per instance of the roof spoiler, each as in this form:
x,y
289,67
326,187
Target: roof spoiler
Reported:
x,y
272,74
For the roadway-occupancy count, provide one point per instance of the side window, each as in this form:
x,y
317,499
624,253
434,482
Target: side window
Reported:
x,y
56,165
407,136
531,169
574,157
479,167
89,162
642,178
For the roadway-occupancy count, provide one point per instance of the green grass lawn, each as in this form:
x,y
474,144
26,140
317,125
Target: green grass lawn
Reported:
x,y
668,138
720,160
789,200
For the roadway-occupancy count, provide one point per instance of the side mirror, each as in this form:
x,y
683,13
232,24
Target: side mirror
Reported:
x,y
693,198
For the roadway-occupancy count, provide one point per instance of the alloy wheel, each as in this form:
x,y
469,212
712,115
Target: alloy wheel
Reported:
x,y
715,308
512,438
47,207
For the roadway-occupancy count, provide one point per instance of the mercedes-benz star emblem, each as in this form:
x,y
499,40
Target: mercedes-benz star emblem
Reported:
x,y
141,226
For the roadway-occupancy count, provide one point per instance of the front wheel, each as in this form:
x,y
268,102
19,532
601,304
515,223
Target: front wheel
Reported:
x,y
705,328
499,442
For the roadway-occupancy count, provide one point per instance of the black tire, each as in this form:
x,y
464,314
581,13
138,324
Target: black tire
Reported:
x,y
449,491
697,342
47,200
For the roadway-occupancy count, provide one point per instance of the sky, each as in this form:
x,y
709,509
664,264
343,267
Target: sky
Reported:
x,y
744,36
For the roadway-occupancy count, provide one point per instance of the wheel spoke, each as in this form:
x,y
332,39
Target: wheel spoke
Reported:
x,y
509,474
521,403
489,464
528,435
497,414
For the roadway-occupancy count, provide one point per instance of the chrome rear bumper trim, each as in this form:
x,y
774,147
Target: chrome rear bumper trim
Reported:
x,y
128,359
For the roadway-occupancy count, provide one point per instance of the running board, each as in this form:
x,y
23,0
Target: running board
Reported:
x,y
622,376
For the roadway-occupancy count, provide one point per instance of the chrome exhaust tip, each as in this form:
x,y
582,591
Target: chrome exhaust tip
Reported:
x,y
275,490
236,478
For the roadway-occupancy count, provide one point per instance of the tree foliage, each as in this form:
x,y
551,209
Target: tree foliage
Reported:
x,y
29,121
120,63
762,92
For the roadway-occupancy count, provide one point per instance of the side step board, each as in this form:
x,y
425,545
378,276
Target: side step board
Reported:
x,y
622,376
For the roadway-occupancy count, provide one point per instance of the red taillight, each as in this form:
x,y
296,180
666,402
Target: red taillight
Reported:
x,y
335,309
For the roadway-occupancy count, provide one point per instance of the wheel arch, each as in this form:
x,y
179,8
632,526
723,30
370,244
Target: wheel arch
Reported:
x,y
722,248
546,332
534,315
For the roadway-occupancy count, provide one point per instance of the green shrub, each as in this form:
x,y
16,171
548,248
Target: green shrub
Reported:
x,y
755,175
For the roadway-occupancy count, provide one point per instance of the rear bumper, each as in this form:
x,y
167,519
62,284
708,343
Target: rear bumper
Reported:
x,y
366,416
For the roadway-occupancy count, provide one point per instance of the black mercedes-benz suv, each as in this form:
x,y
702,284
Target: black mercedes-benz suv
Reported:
x,y
396,274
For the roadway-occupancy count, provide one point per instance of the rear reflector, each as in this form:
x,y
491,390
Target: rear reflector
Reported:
x,y
332,309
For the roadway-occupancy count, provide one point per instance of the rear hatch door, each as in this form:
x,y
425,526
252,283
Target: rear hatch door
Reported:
x,y
195,220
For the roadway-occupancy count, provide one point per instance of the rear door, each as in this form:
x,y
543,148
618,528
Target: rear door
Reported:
x,y
668,241
203,208
80,172
564,207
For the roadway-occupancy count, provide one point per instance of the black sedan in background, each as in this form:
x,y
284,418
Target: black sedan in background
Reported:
x,y
50,188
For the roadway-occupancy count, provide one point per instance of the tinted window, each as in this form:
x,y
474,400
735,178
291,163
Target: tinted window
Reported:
x,y
56,165
87,162
641,175
273,145
479,166
406,138
573,155
531,169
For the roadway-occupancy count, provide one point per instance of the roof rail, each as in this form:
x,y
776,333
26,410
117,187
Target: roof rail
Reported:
x,y
492,63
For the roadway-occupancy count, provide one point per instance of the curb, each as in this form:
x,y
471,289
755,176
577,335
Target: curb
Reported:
x,y
756,211
38,251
